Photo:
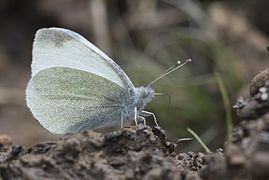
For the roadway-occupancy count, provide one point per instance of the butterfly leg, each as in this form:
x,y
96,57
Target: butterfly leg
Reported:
x,y
143,119
151,114
135,118
121,124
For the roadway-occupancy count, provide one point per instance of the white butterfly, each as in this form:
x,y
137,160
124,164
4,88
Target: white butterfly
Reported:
x,y
75,86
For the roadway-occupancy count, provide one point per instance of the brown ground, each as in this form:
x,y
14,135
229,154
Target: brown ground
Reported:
x,y
145,153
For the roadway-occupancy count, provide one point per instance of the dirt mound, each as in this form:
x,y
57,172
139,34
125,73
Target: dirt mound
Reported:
x,y
131,153
137,153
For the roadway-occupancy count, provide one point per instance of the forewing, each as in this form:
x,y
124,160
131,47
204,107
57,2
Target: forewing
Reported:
x,y
57,47
70,100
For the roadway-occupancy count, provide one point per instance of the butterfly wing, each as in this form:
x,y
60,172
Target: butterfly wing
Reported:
x,y
69,100
57,47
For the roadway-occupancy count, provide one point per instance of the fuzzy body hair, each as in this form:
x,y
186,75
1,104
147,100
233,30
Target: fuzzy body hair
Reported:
x,y
141,96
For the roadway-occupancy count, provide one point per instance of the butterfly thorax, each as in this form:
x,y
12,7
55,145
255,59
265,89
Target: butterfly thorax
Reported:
x,y
141,96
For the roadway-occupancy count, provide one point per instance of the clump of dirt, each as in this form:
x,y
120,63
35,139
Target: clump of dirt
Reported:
x,y
131,153
247,156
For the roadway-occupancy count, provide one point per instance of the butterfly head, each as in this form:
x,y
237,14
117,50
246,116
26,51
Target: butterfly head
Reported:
x,y
144,95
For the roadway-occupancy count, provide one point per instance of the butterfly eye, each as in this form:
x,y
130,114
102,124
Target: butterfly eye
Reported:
x,y
145,94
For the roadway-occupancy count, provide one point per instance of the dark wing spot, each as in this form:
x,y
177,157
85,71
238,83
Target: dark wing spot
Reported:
x,y
57,37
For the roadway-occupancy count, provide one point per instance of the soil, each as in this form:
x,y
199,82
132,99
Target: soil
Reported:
x,y
146,153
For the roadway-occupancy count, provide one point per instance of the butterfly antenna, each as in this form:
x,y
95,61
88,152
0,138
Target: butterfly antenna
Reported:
x,y
170,70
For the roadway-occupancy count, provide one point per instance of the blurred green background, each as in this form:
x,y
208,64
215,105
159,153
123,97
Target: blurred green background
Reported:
x,y
144,38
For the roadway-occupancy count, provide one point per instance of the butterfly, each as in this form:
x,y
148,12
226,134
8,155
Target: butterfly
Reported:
x,y
74,86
